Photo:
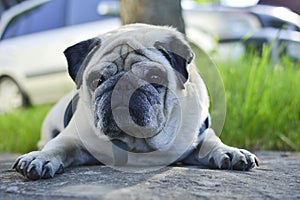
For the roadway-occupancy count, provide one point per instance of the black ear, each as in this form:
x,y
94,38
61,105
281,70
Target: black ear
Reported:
x,y
77,55
179,54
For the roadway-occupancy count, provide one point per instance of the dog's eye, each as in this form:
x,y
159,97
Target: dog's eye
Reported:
x,y
155,77
97,82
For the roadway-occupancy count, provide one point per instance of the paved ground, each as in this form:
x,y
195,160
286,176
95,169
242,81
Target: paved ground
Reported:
x,y
277,178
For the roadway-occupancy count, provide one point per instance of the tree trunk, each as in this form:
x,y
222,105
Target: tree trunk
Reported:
x,y
156,12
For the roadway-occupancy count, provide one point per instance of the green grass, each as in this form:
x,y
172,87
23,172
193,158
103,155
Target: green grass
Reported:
x,y
20,129
262,100
262,104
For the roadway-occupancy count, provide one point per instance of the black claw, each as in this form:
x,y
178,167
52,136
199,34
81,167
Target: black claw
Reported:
x,y
32,173
61,169
47,172
30,167
241,165
251,165
22,166
14,166
229,155
257,162
19,171
225,163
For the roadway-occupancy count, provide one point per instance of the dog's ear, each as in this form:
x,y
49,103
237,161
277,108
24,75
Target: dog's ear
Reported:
x,y
179,54
77,57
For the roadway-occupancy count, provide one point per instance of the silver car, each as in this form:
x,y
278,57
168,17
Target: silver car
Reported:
x,y
33,36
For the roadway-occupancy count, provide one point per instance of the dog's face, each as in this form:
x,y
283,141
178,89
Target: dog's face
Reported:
x,y
130,79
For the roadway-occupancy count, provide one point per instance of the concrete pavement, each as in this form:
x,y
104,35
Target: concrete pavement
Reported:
x,y
278,177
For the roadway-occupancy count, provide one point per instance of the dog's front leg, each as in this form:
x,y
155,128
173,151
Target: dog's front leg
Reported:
x,y
213,153
59,153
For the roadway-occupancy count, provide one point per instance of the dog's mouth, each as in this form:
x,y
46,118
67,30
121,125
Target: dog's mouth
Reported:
x,y
133,114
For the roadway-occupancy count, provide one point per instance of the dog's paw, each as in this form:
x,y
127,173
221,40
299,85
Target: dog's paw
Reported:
x,y
37,165
233,158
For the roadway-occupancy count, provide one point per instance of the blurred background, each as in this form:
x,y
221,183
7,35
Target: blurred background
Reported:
x,y
255,44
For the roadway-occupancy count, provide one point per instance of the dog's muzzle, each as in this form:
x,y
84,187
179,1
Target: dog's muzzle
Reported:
x,y
126,104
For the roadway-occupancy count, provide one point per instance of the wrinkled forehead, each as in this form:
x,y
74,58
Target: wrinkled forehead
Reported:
x,y
126,52
143,46
133,39
136,37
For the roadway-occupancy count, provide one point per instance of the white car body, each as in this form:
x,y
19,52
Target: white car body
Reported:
x,y
36,61
32,70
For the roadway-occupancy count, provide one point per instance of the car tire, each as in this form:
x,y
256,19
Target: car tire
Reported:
x,y
11,95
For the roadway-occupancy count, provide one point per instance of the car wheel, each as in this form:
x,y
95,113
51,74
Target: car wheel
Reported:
x,y
11,95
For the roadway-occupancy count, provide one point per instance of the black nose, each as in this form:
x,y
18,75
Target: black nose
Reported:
x,y
142,103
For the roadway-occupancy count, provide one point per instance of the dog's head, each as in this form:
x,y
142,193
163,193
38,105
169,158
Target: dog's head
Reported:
x,y
130,79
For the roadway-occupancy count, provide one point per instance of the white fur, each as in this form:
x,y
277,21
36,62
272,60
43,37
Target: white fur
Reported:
x,y
75,143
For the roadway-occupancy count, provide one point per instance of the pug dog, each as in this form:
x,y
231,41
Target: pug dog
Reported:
x,y
139,102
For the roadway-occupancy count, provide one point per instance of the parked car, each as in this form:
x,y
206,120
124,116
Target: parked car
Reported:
x,y
32,41
229,31
282,42
33,38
